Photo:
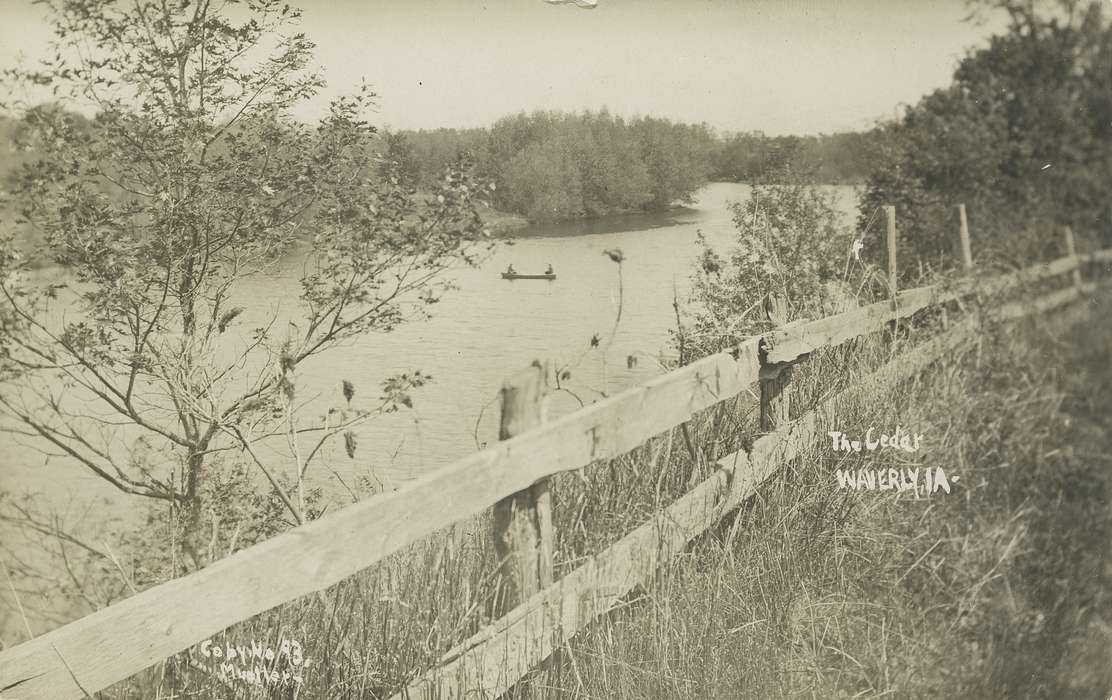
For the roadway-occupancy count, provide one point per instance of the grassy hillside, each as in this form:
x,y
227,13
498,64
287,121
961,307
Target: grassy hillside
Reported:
x,y
1002,589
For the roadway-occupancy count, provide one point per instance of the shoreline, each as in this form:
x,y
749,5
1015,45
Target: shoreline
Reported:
x,y
513,226
506,225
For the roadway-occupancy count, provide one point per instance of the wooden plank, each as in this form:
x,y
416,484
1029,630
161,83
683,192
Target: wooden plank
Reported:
x,y
1047,302
522,522
1071,251
910,363
786,345
489,663
1100,256
905,365
1006,282
114,643
966,249
1029,275
123,639
893,280
926,353
1042,271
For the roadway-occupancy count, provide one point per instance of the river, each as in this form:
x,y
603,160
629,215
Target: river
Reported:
x,y
480,333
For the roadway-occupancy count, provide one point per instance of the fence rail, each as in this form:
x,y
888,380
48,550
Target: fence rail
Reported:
x,y
112,644
489,663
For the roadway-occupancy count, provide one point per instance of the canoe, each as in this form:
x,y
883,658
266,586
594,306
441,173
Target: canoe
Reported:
x,y
517,276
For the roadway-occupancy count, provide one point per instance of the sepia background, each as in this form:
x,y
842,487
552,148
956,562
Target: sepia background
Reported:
x,y
695,174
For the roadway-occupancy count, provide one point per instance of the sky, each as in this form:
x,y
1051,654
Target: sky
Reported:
x,y
777,66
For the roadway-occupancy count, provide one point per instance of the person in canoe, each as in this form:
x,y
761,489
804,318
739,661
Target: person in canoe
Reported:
x,y
510,270
549,271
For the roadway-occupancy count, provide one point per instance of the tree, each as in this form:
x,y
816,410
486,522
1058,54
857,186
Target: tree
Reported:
x,y
399,160
552,165
1023,136
840,158
678,158
792,244
191,177
544,182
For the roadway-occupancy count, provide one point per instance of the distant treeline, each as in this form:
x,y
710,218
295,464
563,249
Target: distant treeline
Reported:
x,y
12,157
549,165
829,159
1022,136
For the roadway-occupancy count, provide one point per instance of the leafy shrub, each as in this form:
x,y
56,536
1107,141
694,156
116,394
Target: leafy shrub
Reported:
x,y
792,244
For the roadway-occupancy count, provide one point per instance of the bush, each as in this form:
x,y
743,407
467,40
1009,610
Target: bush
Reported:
x,y
792,244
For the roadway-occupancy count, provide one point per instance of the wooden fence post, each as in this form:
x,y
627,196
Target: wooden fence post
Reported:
x,y
1071,251
775,380
966,249
893,285
775,398
523,536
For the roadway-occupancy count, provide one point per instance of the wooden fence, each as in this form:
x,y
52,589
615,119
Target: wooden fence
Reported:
x,y
540,614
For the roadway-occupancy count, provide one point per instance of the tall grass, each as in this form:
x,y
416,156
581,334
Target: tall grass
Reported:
x,y
999,589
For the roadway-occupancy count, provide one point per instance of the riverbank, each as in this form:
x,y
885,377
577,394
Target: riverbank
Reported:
x,y
501,224
506,225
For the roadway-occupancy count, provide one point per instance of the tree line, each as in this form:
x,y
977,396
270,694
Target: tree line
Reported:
x,y
548,166
842,158
552,165
160,207
1022,136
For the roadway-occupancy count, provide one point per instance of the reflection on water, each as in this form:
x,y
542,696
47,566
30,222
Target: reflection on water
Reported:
x,y
482,332
617,223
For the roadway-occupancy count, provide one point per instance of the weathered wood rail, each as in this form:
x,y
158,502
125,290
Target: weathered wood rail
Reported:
x,y
112,644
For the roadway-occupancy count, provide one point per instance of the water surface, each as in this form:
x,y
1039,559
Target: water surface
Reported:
x,y
479,334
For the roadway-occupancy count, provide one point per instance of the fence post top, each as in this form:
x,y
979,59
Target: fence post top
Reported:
x,y
535,374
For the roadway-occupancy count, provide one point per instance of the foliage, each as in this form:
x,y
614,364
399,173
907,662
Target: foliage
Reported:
x,y
1023,137
998,590
551,165
192,177
400,161
753,157
435,149
792,244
